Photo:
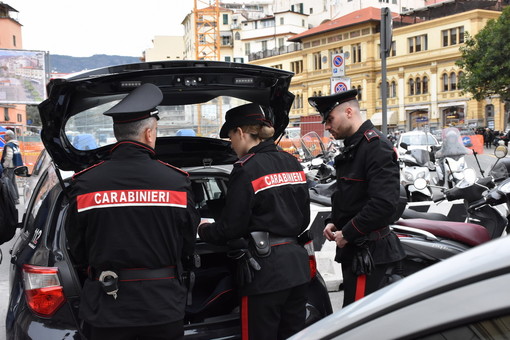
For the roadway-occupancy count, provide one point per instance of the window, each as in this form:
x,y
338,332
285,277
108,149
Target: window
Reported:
x,y
20,118
453,36
317,64
227,58
6,113
237,36
411,87
264,45
225,19
14,40
445,82
282,21
225,40
418,43
356,53
393,89
281,42
360,96
296,66
460,76
393,51
425,85
453,81
278,66
238,60
247,48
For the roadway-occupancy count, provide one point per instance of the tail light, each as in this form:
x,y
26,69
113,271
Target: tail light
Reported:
x,y
311,258
43,291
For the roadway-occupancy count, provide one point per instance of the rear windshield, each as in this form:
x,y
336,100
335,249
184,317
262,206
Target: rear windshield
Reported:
x,y
90,129
419,139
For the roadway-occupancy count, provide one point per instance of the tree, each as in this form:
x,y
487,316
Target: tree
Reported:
x,y
486,60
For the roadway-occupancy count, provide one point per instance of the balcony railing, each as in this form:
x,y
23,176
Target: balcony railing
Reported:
x,y
275,51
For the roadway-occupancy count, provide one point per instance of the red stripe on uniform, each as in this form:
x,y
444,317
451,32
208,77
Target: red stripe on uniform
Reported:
x,y
278,179
125,198
244,318
361,282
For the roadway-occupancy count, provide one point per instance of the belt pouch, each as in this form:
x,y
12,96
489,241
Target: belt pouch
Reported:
x,y
261,242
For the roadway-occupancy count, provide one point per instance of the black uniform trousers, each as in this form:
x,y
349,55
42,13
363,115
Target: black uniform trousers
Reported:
x,y
273,316
356,287
167,331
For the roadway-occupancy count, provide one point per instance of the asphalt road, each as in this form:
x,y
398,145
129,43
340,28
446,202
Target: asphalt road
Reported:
x,y
485,160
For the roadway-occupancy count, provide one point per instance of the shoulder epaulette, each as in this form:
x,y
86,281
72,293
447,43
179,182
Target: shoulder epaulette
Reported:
x,y
371,135
242,161
174,167
87,169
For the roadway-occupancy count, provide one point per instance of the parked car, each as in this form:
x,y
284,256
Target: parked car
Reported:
x,y
464,297
419,140
44,285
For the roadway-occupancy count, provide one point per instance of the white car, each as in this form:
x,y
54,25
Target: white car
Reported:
x,y
417,140
464,297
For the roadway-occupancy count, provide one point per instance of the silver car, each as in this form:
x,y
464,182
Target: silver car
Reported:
x,y
464,297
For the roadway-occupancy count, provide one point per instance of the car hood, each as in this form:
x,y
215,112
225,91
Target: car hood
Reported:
x,y
182,83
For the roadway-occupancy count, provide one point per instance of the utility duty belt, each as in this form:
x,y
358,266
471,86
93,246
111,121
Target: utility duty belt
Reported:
x,y
263,241
109,279
378,234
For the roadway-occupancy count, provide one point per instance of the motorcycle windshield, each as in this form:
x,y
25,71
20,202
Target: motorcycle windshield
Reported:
x,y
501,170
421,156
452,144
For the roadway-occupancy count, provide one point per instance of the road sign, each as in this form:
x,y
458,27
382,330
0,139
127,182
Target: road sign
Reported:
x,y
340,84
338,65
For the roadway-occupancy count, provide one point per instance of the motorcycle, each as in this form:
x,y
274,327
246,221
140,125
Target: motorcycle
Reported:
x,y
450,159
487,200
317,160
413,166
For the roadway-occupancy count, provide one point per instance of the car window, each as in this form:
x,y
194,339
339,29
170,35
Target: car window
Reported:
x,y
34,219
38,166
209,194
495,328
90,129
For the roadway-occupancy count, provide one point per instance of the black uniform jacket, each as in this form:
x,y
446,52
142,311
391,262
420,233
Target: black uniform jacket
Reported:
x,y
267,191
132,211
367,193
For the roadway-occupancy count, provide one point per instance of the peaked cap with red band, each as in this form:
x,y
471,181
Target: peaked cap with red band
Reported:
x,y
325,104
140,104
247,114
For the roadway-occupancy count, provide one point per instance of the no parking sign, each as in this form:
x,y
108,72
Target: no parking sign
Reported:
x,y
340,84
338,65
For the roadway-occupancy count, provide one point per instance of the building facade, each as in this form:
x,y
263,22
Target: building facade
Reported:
x,y
422,77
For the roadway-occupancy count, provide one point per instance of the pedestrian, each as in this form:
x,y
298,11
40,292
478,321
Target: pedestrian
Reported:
x,y
267,205
11,158
365,199
488,138
133,226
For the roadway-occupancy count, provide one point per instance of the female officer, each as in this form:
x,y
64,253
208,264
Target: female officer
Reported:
x,y
268,204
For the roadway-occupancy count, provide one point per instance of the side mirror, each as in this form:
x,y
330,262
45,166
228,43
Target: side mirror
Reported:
x,y
501,151
403,145
22,171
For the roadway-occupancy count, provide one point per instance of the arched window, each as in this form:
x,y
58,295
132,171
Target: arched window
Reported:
x,y
453,81
379,90
461,74
425,85
393,90
411,87
360,97
297,102
418,85
445,82
314,94
301,102
320,93
237,36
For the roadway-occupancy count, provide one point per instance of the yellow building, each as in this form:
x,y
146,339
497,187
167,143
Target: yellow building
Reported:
x,y
422,76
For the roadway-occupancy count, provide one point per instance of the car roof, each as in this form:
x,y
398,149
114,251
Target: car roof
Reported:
x,y
477,264
182,82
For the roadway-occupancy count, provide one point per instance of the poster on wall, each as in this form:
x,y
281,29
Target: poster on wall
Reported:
x,y
22,76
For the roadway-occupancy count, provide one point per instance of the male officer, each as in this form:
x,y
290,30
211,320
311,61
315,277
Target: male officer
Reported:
x,y
133,223
365,200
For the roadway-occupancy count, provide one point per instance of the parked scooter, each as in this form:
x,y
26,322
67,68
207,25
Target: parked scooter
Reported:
x,y
450,159
428,241
317,160
413,166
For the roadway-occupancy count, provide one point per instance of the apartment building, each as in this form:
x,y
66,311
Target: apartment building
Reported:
x,y
422,77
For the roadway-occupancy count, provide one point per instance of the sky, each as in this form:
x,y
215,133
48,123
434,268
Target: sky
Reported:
x,y
83,28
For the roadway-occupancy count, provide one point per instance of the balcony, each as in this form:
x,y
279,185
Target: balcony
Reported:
x,y
275,51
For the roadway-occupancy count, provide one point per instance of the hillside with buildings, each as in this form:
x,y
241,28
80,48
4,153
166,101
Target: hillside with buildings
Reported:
x,y
67,64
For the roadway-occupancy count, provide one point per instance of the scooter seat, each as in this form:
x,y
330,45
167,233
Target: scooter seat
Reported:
x,y
467,233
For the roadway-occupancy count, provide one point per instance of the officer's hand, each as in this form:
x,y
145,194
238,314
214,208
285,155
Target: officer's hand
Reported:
x,y
340,240
329,231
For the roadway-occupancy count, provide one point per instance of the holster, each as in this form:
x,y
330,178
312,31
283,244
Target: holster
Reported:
x,y
246,265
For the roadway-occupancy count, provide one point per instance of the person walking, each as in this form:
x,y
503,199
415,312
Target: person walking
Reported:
x,y
488,138
268,206
11,158
365,199
132,224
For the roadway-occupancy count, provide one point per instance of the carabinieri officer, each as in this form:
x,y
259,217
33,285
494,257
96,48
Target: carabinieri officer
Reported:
x,y
132,223
268,204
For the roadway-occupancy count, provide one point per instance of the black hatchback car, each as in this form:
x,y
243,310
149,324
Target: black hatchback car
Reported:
x,y
44,285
